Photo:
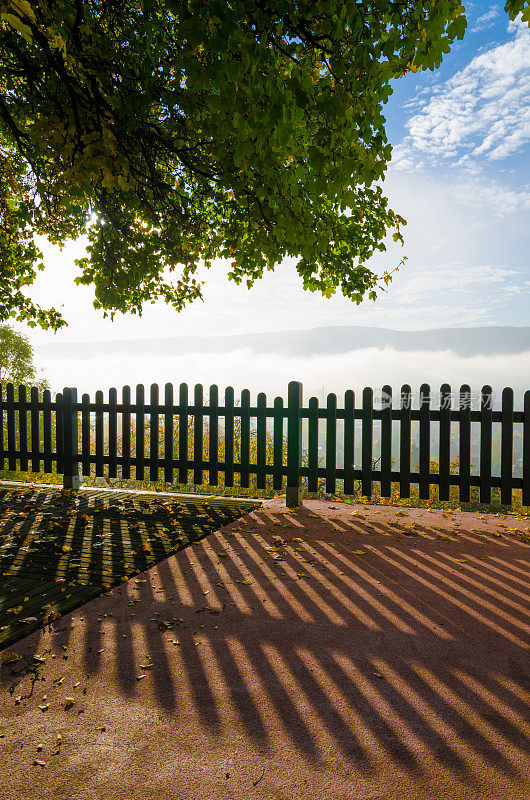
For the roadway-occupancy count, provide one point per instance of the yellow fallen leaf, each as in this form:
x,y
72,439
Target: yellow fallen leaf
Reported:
x,y
8,657
66,548
38,763
359,552
69,702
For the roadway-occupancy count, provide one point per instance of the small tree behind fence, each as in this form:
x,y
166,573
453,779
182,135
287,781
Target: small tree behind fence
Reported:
x,y
202,441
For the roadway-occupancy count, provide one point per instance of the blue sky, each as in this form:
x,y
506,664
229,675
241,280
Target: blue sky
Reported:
x,y
460,176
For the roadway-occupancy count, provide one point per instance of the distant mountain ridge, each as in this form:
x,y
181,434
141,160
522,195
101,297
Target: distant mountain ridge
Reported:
x,y
327,340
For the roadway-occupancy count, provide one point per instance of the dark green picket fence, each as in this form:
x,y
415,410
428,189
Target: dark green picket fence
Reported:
x,y
54,428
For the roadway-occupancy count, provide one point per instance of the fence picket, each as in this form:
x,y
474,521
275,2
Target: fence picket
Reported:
x,y
261,441
245,439
23,428
277,480
154,433
506,446
367,442
139,426
168,433
183,433
229,436
85,434
59,440
126,432
444,447
349,442
465,442
404,441
11,443
331,443
47,431
294,443
213,437
70,457
312,445
113,433
386,442
35,429
425,441
198,457
100,471
485,443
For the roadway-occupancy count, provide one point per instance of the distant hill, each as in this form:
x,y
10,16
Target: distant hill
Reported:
x,y
492,340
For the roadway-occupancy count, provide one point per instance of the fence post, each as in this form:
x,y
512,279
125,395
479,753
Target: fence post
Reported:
x,y
70,441
293,492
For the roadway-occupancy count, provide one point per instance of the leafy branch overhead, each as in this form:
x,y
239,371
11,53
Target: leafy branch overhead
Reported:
x,y
178,130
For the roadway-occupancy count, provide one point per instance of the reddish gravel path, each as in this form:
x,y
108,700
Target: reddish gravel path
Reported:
x,y
371,655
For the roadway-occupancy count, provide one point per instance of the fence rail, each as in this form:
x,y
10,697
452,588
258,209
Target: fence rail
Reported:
x,y
37,431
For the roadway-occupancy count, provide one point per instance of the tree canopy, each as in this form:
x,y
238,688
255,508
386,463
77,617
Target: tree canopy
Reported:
x,y
16,359
174,131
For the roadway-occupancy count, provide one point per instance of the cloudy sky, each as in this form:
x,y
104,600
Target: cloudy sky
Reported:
x,y
459,175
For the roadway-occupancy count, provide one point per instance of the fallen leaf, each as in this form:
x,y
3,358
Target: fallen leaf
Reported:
x,y
69,702
8,657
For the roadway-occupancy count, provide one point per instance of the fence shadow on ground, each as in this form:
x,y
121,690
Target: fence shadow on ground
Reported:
x,y
374,645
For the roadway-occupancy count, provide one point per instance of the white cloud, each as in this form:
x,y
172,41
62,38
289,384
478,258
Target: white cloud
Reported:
x,y
485,20
499,200
430,281
482,112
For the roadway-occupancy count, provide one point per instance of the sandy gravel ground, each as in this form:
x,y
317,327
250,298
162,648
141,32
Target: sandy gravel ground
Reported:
x,y
332,652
